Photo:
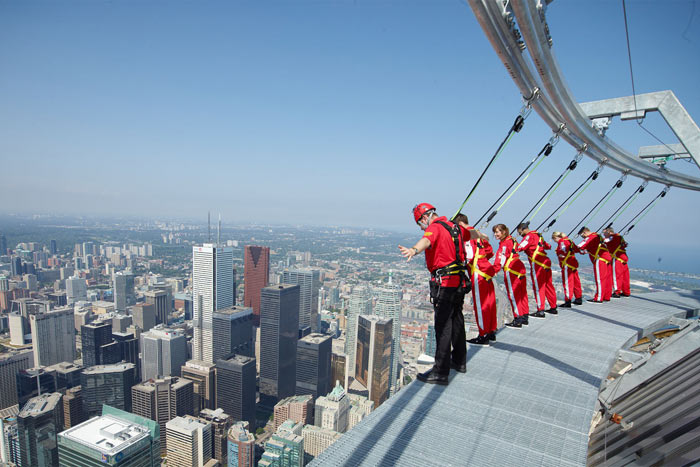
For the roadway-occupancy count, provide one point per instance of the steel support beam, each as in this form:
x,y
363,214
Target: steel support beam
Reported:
x,y
664,102
557,96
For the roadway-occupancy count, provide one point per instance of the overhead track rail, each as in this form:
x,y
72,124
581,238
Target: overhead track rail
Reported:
x,y
549,95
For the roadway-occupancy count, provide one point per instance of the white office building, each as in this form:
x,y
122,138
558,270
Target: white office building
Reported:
x,y
212,290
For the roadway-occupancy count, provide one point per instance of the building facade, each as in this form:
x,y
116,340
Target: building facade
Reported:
x,y
256,272
235,387
309,283
314,365
163,352
53,336
232,332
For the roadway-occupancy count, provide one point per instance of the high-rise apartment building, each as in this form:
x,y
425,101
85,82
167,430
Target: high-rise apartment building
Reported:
x,y
38,424
279,328
203,377
144,315
430,341
220,424
53,336
53,248
76,290
360,304
331,411
189,442
212,290
235,387
160,299
309,283
11,363
232,332
116,438
285,447
107,384
256,276
162,400
389,306
314,365
300,409
124,290
73,407
241,446
373,356
163,352
92,337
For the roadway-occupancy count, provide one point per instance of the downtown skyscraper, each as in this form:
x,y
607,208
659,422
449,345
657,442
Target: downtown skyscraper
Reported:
x,y
279,332
255,276
389,306
309,283
360,304
212,290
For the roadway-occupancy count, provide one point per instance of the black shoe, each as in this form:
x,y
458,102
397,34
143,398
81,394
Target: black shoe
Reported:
x,y
431,377
626,295
523,320
552,311
459,368
538,314
566,304
578,301
515,324
616,295
491,336
481,340
592,300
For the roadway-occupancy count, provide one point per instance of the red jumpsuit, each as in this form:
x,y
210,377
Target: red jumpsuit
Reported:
x,y
569,268
513,276
617,246
540,269
601,259
481,273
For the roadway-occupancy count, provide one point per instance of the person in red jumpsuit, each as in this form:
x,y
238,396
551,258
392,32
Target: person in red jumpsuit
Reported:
x,y
513,276
617,246
443,244
534,247
481,273
566,250
601,259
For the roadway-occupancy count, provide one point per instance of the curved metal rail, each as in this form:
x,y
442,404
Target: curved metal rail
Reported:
x,y
551,97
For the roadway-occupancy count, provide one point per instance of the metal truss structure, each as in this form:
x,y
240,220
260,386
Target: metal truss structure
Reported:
x,y
546,91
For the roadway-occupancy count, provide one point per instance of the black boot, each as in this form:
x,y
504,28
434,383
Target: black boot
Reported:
x,y
566,304
578,301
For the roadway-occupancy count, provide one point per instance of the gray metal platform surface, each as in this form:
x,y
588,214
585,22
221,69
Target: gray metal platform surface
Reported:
x,y
526,400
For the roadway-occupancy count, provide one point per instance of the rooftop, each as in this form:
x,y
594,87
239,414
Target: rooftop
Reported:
x,y
116,367
315,338
185,424
529,399
40,404
106,434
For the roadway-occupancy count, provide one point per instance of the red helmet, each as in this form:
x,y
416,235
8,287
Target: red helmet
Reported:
x,y
421,209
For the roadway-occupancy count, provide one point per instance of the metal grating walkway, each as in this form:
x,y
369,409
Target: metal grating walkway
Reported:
x,y
526,400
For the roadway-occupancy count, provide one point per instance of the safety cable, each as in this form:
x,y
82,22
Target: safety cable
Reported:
x,y
596,207
652,203
515,128
587,182
546,150
628,202
552,188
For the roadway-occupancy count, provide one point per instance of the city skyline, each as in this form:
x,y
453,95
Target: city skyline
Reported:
x,y
367,90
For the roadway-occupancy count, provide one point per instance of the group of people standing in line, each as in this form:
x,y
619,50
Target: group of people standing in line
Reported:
x,y
459,260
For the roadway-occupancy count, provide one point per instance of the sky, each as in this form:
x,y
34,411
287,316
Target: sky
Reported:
x,y
320,112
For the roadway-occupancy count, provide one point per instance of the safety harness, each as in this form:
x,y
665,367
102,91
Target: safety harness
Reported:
x,y
538,252
474,266
620,248
457,266
569,254
601,246
512,255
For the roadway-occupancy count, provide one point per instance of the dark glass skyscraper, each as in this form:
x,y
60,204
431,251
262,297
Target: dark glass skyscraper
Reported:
x,y
93,336
232,332
373,359
235,387
279,328
314,365
107,384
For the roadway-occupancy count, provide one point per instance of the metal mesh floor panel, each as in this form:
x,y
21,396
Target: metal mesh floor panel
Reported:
x,y
526,400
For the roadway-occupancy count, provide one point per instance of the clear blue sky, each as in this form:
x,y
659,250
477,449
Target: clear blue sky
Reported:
x,y
314,112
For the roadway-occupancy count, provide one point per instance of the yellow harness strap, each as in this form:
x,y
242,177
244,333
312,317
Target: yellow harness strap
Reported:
x,y
475,269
